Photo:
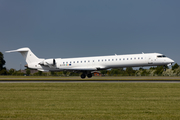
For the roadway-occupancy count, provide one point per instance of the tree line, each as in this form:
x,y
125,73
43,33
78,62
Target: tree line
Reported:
x,y
152,71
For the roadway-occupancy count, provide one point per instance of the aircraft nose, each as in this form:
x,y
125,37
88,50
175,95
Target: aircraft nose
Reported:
x,y
171,61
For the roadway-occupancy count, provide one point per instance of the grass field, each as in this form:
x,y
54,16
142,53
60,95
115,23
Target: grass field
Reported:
x,y
48,101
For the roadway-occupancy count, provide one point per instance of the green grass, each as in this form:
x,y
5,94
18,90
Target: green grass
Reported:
x,y
46,101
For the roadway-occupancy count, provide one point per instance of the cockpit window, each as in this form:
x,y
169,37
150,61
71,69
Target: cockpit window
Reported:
x,y
161,56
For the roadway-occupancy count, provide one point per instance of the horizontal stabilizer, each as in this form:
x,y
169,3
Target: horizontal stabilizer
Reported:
x,y
27,54
19,50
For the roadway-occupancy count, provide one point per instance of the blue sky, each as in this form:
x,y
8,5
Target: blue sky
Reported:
x,y
80,28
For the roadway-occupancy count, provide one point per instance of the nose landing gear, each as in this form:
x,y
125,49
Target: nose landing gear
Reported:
x,y
164,68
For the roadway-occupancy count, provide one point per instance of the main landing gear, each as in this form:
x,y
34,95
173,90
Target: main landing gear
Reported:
x,y
89,75
84,74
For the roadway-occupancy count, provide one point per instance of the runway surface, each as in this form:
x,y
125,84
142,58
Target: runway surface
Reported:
x,y
89,81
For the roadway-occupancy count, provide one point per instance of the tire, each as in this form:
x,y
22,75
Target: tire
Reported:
x,y
83,76
89,75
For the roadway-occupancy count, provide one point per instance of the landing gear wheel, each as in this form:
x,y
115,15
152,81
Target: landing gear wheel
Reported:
x,y
164,68
89,75
83,76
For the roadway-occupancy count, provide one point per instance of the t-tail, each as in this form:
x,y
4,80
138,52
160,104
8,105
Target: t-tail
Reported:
x,y
33,61
28,55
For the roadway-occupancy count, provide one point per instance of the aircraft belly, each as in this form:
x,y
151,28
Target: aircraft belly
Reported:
x,y
127,65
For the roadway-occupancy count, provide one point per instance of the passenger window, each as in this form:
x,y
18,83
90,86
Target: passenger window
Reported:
x,y
66,62
131,58
134,58
74,61
109,59
123,58
141,57
105,59
93,60
127,58
84,61
98,60
102,60
112,59
120,59
77,61
88,61
81,61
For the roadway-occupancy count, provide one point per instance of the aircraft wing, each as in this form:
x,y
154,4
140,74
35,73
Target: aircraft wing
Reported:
x,y
81,68
85,68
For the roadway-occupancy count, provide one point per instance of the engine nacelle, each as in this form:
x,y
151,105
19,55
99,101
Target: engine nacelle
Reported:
x,y
48,62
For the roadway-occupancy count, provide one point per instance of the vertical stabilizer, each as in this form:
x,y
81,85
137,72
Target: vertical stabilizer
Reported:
x,y
28,55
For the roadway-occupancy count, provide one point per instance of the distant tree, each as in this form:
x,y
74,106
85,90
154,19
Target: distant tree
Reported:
x,y
103,72
73,74
114,71
53,73
144,72
28,72
152,68
11,71
65,73
35,74
2,61
18,73
60,73
117,71
159,70
141,68
175,66
40,73
3,70
129,71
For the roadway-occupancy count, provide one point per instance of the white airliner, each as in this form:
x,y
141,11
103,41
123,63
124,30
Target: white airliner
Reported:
x,y
88,64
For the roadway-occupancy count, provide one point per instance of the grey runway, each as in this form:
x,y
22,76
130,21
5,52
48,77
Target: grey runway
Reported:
x,y
89,81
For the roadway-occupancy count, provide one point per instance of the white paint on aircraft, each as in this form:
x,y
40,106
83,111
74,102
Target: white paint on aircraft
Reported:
x,y
88,64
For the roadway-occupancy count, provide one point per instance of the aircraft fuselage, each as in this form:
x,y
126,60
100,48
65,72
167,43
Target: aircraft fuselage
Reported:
x,y
88,64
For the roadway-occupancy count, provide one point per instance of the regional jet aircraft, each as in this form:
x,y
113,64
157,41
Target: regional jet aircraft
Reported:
x,y
86,65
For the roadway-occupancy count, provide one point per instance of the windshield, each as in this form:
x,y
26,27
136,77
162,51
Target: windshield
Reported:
x,y
161,56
